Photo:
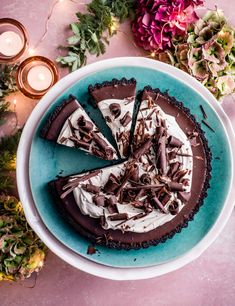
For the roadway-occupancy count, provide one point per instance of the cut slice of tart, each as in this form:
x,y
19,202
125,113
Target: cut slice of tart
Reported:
x,y
71,126
116,101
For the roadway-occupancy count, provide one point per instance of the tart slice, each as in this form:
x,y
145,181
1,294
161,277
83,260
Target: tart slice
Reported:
x,y
116,101
70,125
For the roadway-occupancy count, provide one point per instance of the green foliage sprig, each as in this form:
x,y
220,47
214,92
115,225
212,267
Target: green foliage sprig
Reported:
x,y
21,251
93,30
7,86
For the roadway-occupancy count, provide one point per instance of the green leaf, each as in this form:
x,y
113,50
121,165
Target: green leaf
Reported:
x,y
75,29
73,40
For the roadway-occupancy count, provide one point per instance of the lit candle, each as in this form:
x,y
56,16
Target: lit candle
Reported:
x,y
10,43
39,77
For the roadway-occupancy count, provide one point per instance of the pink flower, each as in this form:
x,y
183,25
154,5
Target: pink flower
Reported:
x,y
158,21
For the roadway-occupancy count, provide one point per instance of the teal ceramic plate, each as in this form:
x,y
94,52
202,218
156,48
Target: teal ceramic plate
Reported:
x,y
48,160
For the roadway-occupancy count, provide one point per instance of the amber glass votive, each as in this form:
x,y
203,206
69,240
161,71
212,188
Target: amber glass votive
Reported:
x,y
35,76
13,40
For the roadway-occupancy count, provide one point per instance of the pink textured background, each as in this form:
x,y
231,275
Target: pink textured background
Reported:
x,y
210,280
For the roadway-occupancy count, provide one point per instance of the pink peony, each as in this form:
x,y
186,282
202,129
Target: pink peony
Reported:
x,y
158,21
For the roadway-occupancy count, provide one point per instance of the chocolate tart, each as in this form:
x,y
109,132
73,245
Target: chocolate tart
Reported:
x,y
159,147
71,126
116,101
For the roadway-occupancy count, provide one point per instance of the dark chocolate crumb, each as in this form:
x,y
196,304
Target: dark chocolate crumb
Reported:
x,y
91,250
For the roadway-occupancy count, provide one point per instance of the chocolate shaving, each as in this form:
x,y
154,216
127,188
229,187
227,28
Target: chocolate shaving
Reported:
x,y
203,112
85,124
111,201
207,124
91,250
80,143
148,207
117,217
143,149
75,182
126,119
115,109
101,143
157,203
128,173
174,208
174,142
175,186
165,199
112,184
91,188
112,209
162,157
135,175
145,179
99,200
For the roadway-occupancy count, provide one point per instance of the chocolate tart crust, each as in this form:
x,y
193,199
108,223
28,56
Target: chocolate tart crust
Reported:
x,y
91,228
56,119
116,89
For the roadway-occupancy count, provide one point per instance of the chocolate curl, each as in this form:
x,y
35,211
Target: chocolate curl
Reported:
x,y
157,203
112,184
174,208
159,132
165,199
140,194
162,159
99,200
101,143
97,152
115,109
126,119
112,209
172,155
118,217
145,179
112,200
144,187
75,182
91,188
174,142
184,196
148,207
143,149
174,186
135,175
127,175
178,176
174,167
80,143
85,124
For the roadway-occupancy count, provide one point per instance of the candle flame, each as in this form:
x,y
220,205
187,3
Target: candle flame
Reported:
x,y
14,102
41,76
8,41
153,54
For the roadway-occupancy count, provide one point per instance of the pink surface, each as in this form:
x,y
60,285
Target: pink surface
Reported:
x,y
207,281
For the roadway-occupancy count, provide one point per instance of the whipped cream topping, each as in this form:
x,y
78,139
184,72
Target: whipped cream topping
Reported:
x,y
156,218
114,122
66,132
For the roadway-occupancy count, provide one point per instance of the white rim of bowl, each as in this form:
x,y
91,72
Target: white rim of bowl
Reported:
x,y
33,216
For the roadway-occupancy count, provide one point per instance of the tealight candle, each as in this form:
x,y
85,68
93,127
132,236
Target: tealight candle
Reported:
x,y
13,40
39,77
35,76
10,43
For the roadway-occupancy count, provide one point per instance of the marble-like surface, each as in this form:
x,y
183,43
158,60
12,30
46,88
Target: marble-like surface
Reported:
x,y
207,281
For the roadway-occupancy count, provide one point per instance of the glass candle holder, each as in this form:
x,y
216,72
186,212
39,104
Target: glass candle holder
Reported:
x,y
35,76
13,40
